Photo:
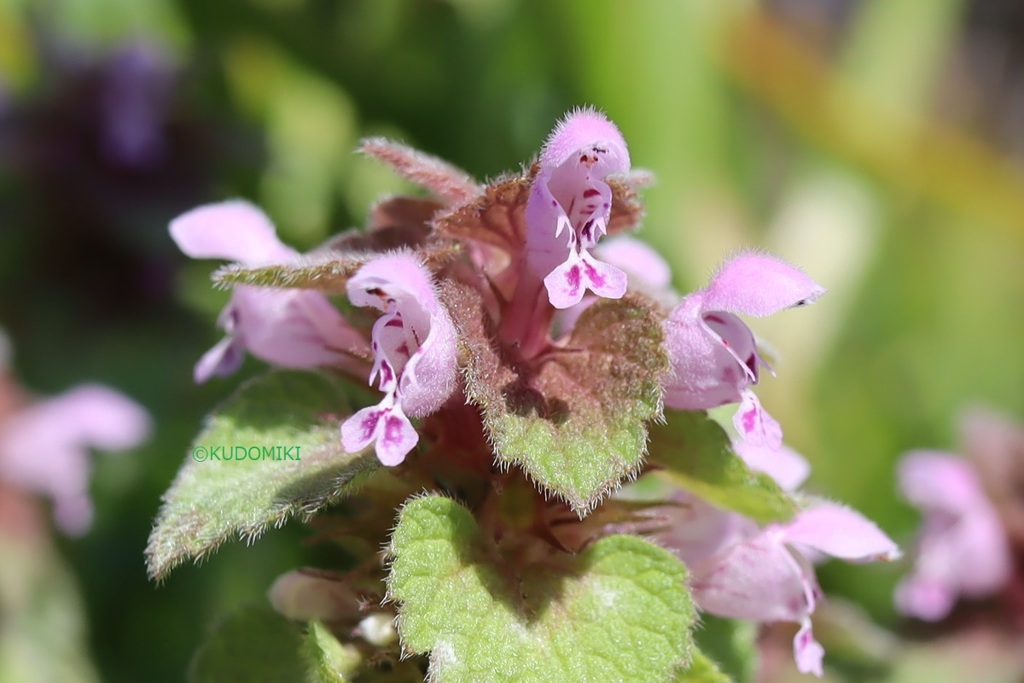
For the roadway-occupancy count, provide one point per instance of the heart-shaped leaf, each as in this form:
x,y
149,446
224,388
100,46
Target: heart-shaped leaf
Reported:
x,y
577,424
618,611
272,451
697,456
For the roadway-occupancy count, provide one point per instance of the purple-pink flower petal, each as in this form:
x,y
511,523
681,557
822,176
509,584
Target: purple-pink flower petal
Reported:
x,y
933,480
841,532
807,652
426,364
705,373
758,579
963,548
582,130
759,285
567,283
714,354
569,207
290,328
233,230
223,359
763,579
414,350
755,424
386,427
788,468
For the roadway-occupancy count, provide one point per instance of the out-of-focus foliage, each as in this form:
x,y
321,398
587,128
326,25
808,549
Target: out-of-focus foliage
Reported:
x,y
876,142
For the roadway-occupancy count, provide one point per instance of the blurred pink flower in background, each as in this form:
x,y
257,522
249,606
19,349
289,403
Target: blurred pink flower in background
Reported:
x,y
962,549
44,447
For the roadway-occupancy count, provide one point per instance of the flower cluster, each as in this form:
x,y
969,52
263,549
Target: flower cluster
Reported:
x,y
518,324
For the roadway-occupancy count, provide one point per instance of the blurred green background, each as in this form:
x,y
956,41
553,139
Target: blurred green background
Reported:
x,y
876,143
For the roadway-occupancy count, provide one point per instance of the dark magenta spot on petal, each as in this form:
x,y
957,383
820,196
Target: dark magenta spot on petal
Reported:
x,y
750,420
591,192
573,278
369,424
392,430
597,280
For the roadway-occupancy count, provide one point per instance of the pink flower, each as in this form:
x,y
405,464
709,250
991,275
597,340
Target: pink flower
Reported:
x,y
768,576
742,571
962,548
45,447
569,196
291,328
714,355
414,354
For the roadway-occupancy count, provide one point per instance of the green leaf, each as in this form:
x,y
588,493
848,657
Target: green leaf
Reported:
x,y
702,670
397,223
697,456
254,645
326,272
618,611
731,643
292,417
329,660
577,424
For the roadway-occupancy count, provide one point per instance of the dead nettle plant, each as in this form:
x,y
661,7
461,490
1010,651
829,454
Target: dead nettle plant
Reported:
x,y
508,359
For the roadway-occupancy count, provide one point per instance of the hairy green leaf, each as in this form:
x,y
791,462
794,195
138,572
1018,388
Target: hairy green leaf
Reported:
x,y
326,271
697,456
289,421
577,424
618,611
